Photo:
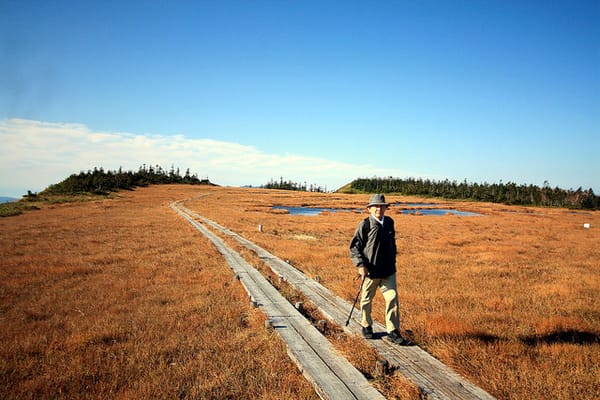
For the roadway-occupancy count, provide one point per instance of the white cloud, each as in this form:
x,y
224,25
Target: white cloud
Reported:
x,y
35,154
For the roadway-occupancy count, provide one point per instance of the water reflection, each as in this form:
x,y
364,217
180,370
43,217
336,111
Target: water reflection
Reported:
x,y
402,205
440,211
310,211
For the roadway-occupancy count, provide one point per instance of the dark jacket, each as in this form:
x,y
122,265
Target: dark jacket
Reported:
x,y
374,247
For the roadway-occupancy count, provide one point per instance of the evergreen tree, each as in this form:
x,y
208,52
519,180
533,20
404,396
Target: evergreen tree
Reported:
x,y
99,181
507,193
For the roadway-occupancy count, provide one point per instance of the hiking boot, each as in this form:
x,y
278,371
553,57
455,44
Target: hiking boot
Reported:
x,y
367,332
395,337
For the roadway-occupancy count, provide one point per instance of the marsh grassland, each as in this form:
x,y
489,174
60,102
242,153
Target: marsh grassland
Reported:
x,y
121,298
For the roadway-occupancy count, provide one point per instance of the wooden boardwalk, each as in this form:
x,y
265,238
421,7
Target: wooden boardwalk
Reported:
x,y
434,379
332,376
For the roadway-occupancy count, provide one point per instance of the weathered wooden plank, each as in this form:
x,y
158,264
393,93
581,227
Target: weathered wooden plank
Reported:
x,y
435,379
331,306
331,374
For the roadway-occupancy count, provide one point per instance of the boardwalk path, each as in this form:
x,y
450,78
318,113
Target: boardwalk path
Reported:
x,y
331,374
434,379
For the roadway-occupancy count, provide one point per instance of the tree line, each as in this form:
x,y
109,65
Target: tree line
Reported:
x,y
99,181
507,193
289,185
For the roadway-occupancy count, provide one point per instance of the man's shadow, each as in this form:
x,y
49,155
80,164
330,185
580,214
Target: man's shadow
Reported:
x,y
562,336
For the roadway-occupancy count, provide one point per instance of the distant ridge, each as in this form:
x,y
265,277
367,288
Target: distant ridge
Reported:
x,y
4,199
347,188
102,182
506,193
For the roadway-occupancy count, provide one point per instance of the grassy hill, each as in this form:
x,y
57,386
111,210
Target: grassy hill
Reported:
x,y
505,193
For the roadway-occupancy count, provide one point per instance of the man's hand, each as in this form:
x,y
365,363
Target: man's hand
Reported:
x,y
362,271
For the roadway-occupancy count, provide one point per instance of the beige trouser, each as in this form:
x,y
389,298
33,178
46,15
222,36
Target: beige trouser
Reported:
x,y
388,290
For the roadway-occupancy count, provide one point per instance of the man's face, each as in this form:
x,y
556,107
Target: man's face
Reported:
x,y
377,211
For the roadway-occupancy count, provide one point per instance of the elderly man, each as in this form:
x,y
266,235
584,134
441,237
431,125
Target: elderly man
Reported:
x,y
373,251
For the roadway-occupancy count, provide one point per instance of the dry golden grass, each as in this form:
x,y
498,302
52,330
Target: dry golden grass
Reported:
x,y
508,299
123,299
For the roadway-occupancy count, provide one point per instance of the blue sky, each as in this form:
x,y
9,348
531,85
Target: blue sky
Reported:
x,y
317,91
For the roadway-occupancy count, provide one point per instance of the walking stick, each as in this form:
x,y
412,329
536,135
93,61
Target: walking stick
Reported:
x,y
356,299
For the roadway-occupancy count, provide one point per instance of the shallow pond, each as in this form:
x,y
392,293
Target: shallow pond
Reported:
x,y
440,211
310,211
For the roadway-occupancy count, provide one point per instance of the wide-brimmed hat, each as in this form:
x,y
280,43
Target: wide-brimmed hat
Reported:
x,y
377,200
